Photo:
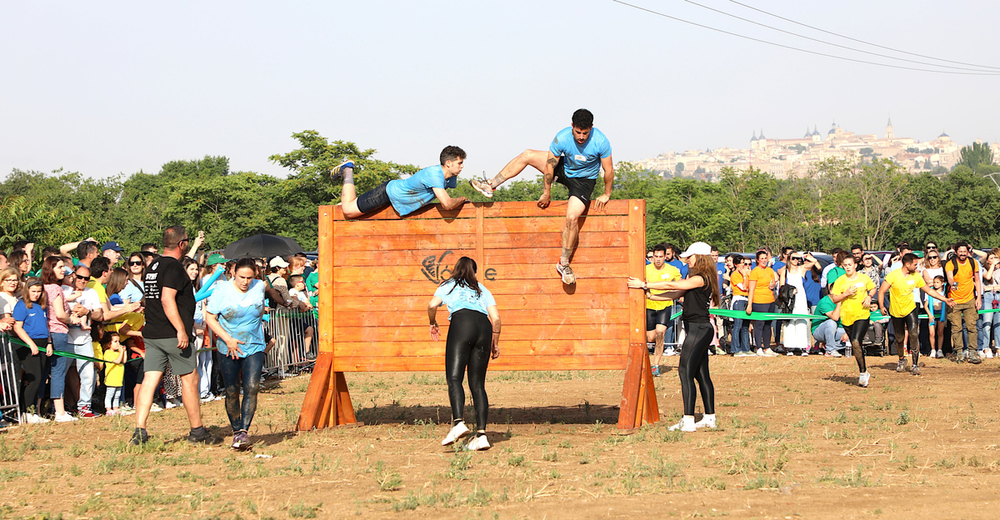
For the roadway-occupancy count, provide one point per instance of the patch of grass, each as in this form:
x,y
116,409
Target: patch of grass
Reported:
x,y
763,482
516,461
460,463
854,478
387,480
7,475
303,510
904,418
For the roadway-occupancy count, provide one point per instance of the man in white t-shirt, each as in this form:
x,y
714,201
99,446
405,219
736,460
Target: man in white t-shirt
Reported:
x,y
87,305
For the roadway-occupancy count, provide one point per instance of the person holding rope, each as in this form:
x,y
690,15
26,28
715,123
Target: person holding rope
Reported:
x,y
235,315
473,339
903,308
575,158
854,292
168,335
699,289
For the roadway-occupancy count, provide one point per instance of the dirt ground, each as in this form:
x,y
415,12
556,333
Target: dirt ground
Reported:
x,y
797,439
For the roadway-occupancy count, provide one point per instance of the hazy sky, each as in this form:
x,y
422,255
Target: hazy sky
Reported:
x,y
116,87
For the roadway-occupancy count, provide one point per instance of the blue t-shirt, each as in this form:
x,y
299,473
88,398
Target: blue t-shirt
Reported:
x,y
240,315
720,269
812,289
681,266
581,161
36,322
410,194
464,298
131,292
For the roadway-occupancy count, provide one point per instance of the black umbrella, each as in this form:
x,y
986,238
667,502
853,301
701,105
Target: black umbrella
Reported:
x,y
260,246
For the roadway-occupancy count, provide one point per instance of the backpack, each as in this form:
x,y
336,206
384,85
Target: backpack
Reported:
x,y
954,272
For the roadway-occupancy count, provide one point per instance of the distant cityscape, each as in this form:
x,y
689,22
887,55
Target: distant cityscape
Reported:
x,y
787,158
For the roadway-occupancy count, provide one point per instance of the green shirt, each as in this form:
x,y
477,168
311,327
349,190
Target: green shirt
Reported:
x,y
824,306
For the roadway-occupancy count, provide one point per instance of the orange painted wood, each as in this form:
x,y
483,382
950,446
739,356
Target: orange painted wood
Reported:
x,y
504,362
377,274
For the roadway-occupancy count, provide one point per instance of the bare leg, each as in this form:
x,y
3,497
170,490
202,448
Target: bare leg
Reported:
x,y
658,349
571,232
144,399
534,158
190,398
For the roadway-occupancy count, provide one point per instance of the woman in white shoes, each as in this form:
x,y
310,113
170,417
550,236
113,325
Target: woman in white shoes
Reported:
x,y
699,290
473,339
854,292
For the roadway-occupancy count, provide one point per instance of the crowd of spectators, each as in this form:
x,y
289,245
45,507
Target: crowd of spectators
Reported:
x,y
71,321
759,281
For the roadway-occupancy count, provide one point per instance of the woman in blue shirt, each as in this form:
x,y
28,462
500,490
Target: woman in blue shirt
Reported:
x,y
473,339
31,324
234,315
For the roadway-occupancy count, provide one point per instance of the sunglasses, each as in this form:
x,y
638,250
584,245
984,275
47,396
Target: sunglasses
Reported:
x,y
798,258
932,257
135,262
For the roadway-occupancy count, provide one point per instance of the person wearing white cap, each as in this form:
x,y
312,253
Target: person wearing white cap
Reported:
x,y
278,287
700,289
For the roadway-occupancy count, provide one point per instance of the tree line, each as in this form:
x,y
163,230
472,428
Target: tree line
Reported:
x,y
875,203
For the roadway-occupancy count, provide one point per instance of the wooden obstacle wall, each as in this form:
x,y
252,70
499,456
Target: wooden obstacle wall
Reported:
x,y
378,273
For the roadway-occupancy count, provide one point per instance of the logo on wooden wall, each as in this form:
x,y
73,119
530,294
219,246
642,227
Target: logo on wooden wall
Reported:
x,y
437,270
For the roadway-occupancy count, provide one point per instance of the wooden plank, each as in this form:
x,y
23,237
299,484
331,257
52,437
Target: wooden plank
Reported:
x,y
558,207
401,273
567,331
345,409
492,257
326,290
424,347
509,317
373,228
530,240
504,362
551,225
384,258
408,242
542,302
630,388
550,255
480,258
312,410
637,268
432,211
499,287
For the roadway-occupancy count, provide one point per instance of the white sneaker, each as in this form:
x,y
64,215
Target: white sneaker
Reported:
x,y
686,424
457,432
940,354
32,418
863,379
769,353
669,351
155,408
988,354
789,353
479,443
760,352
65,418
566,272
482,186
707,421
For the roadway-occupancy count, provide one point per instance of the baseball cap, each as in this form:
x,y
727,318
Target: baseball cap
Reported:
x,y
215,258
112,245
697,248
278,262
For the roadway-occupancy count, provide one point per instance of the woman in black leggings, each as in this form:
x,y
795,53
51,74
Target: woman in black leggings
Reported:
x,y
700,289
473,339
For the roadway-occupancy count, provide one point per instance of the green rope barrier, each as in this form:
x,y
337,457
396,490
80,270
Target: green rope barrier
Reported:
x,y
74,355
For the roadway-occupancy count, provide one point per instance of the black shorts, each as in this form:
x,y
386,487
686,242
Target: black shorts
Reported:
x,y
657,317
578,187
374,199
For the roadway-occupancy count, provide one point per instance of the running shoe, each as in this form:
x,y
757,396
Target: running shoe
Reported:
x,y
457,432
686,425
87,413
34,418
720,351
988,354
863,379
901,366
65,417
201,435
707,421
940,354
834,354
789,353
656,370
760,352
155,408
174,402
479,443
337,173
482,186
670,351
805,353
974,358
769,353
915,370
566,272
139,437
241,441
744,354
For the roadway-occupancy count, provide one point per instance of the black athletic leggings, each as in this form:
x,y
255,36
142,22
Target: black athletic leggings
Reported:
x,y
31,378
694,367
856,334
469,345
910,323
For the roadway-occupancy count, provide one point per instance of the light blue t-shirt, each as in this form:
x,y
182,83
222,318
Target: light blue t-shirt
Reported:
x,y
131,292
464,298
410,194
581,161
680,265
240,315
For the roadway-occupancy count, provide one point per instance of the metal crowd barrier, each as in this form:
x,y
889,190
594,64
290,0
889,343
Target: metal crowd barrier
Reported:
x,y
9,385
291,353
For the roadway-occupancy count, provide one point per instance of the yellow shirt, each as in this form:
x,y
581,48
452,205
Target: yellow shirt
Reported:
x,y
901,289
102,292
966,283
851,309
735,280
114,374
762,293
668,273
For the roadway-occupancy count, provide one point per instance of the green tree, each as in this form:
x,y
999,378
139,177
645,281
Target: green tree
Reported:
x,y
975,156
